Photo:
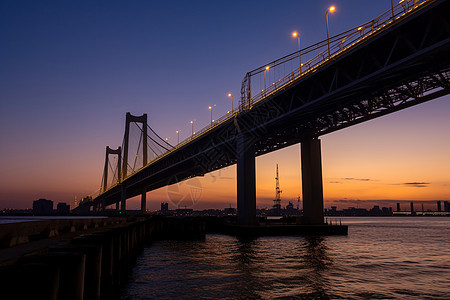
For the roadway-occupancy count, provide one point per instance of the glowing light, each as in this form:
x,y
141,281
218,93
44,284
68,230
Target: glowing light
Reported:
x,y
359,28
267,68
229,95
332,9
210,107
295,34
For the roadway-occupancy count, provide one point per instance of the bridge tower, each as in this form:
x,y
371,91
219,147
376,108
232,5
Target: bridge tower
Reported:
x,y
137,119
117,152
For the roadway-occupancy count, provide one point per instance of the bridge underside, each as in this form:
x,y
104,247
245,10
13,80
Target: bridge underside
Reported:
x,y
403,65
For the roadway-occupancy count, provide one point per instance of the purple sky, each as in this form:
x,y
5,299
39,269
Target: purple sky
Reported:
x,y
70,70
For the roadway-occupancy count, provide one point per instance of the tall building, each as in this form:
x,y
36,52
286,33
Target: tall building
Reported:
x,y
42,207
412,208
439,206
164,206
398,206
446,206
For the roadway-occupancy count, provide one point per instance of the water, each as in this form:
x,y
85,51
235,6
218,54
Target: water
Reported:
x,y
381,258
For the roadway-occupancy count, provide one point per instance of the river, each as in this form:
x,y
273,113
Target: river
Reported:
x,y
381,258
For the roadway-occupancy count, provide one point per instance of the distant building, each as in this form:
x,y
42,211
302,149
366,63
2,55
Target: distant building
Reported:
x,y
62,208
42,207
290,210
352,211
412,208
439,206
230,211
446,206
398,206
386,211
184,212
164,206
375,211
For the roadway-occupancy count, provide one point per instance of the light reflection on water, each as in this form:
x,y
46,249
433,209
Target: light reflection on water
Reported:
x,y
384,258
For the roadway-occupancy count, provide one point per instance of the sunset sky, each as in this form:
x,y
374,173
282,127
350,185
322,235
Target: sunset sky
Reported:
x,y
70,70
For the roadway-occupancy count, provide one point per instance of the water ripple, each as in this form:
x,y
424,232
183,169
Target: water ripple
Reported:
x,y
381,258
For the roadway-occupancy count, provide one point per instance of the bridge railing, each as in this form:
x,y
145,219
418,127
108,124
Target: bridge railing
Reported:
x,y
284,71
265,80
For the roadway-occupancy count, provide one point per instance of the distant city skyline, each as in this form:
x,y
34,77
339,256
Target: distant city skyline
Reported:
x,y
70,72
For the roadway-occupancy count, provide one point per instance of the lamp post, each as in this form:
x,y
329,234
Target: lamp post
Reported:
x,y
192,123
331,9
211,109
265,69
392,9
178,136
295,34
229,95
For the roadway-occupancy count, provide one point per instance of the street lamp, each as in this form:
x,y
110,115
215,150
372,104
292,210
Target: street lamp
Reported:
x,y
192,123
211,109
229,95
265,69
296,35
331,9
178,137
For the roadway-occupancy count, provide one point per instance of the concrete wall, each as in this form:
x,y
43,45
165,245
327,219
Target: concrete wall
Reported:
x,y
91,265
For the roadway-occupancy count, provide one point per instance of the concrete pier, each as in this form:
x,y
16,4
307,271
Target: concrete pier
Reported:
x,y
312,188
144,200
80,258
246,180
123,198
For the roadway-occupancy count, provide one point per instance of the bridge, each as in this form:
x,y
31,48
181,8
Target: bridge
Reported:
x,y
394,61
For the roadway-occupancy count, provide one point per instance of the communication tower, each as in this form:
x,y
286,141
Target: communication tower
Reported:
x,y
277,201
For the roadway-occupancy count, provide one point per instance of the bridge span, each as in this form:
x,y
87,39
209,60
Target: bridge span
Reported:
x,y
397,60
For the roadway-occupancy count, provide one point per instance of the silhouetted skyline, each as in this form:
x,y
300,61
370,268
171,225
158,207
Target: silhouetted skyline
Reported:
x,y
70,72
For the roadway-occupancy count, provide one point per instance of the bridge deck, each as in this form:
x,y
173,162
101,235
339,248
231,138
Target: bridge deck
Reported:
x,y
402,63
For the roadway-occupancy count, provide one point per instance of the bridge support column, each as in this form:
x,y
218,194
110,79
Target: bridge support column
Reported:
x,y
246,181
312,188
123,199
144,200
